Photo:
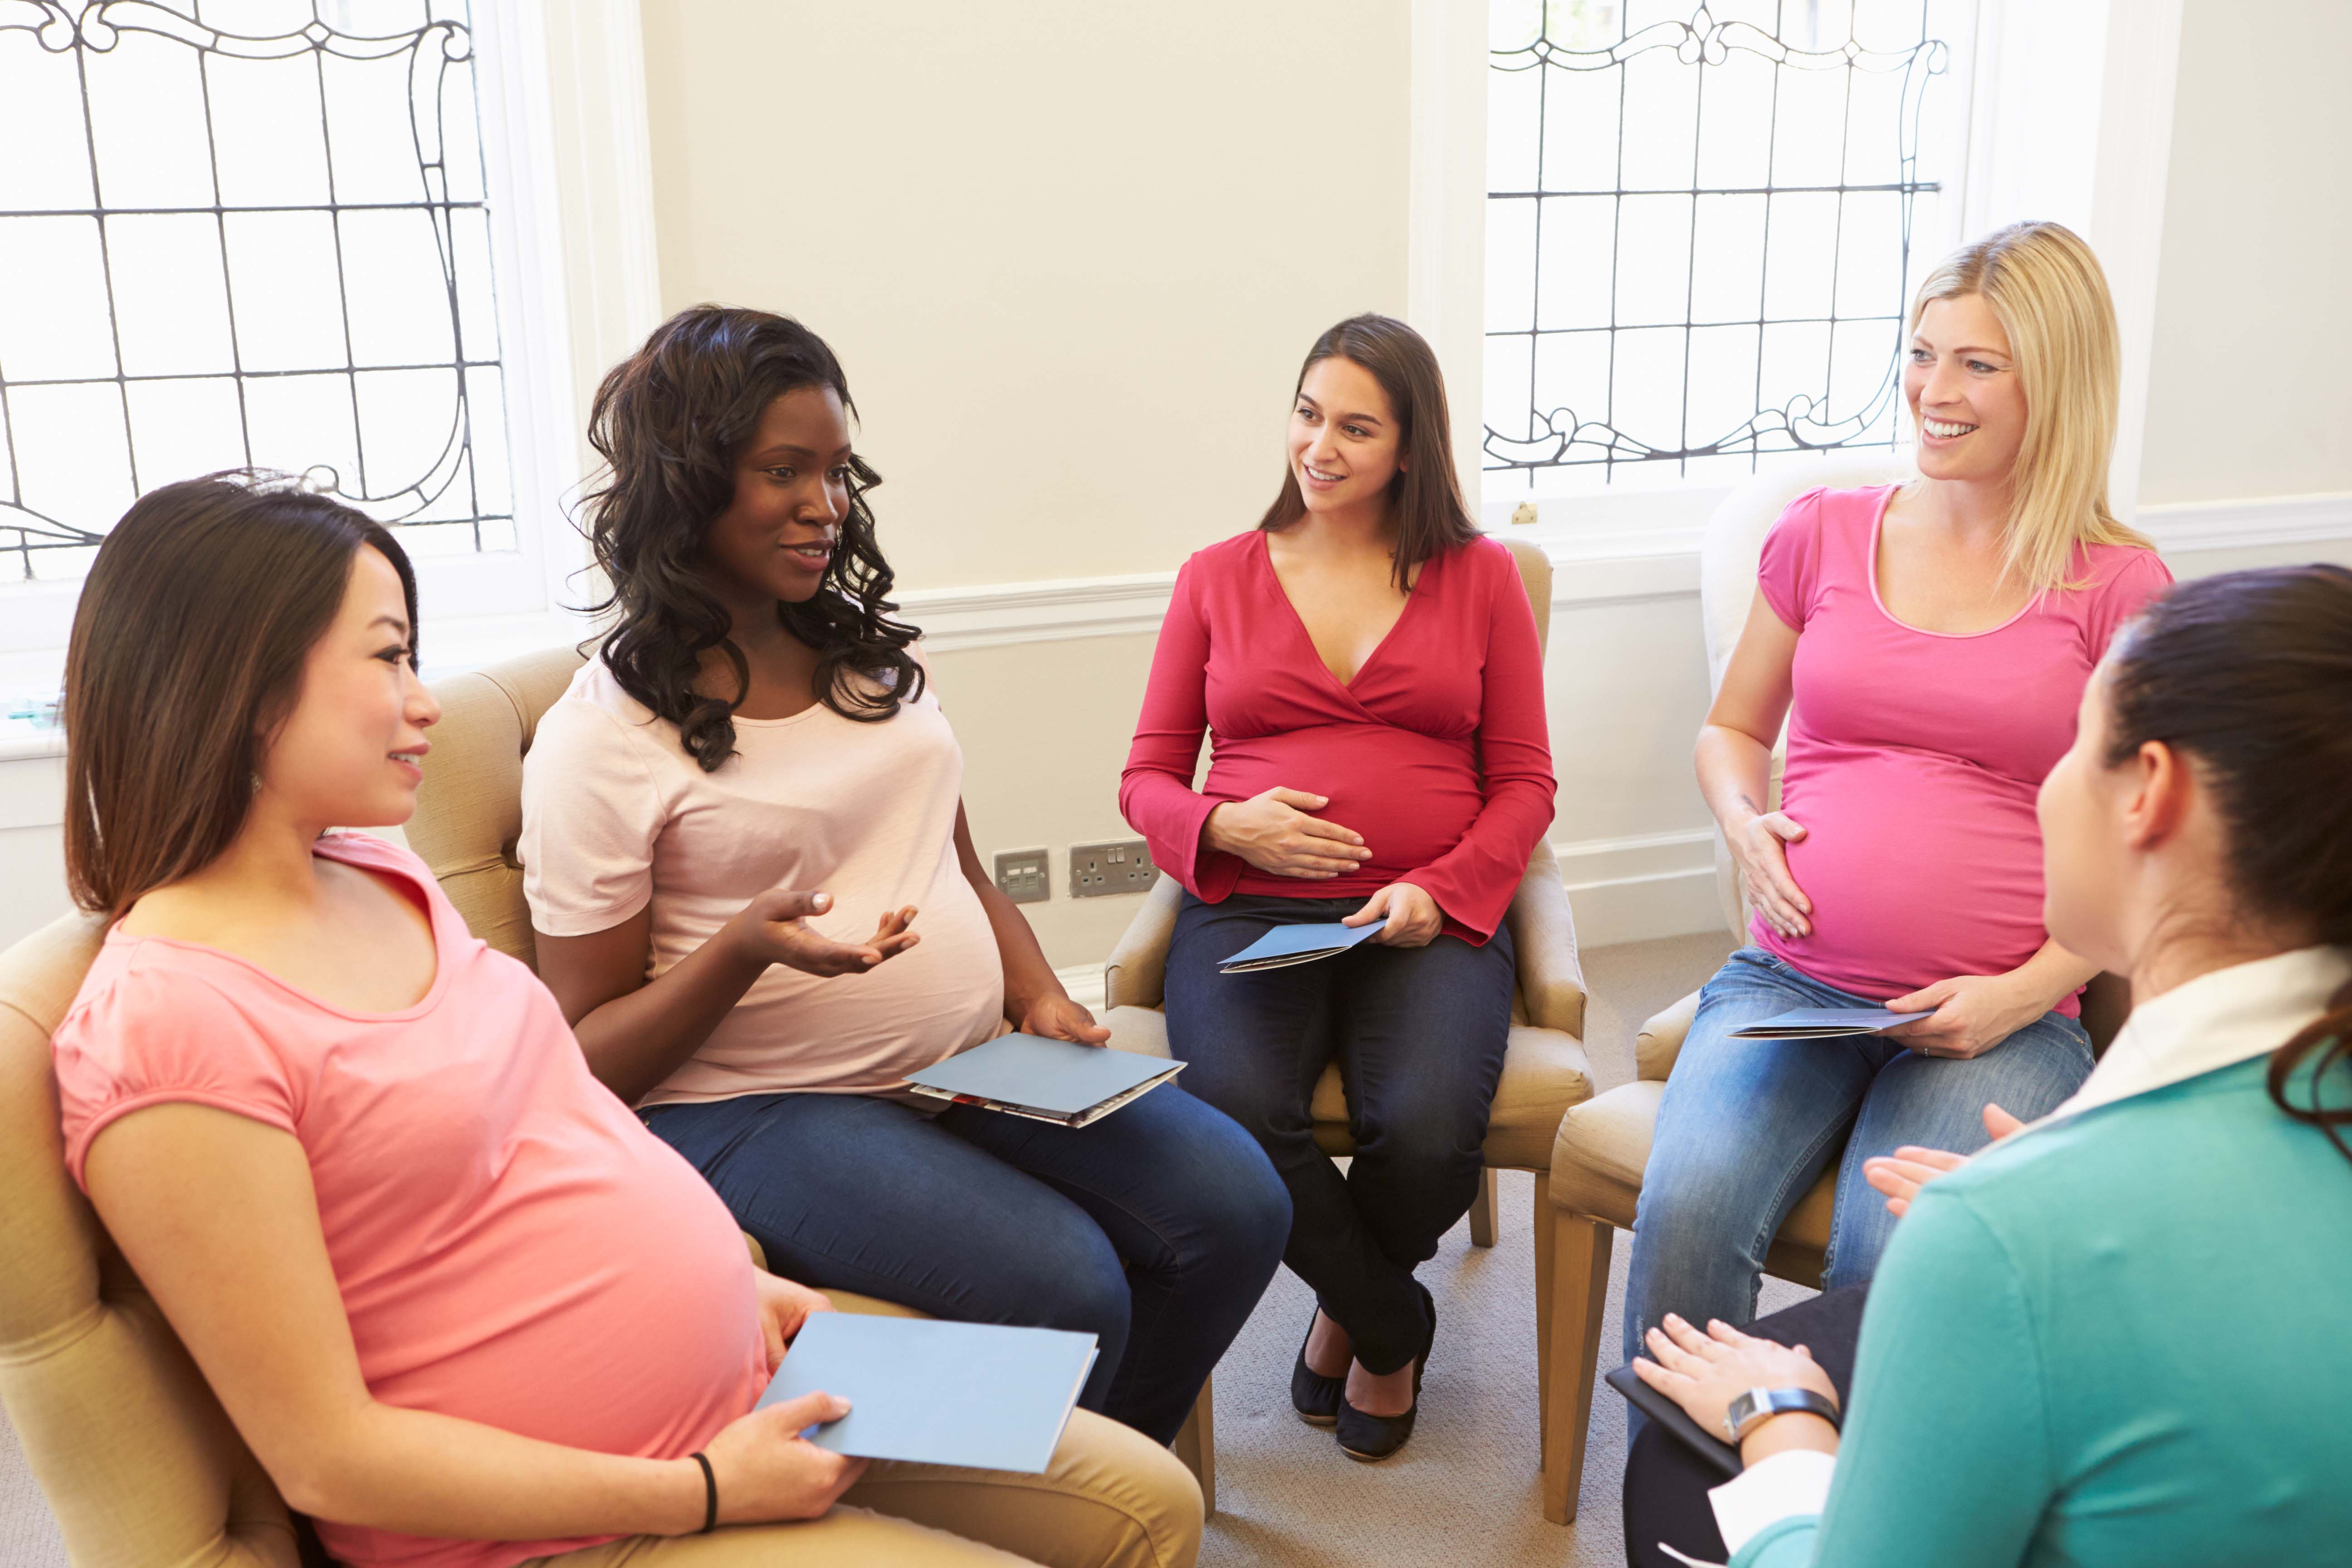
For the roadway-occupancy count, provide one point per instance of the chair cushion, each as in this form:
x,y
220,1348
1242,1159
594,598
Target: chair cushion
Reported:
x,y
1596,1171
138,1461
1544,1073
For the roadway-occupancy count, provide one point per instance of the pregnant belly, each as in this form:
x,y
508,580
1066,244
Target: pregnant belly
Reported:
x,y
1412,796
1948,881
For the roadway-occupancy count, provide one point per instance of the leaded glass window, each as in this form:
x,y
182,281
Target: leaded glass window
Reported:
x,y
1703,226
245,232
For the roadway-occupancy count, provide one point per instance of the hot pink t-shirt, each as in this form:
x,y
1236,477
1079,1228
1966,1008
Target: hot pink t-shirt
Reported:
x,y
1913,756
512,1246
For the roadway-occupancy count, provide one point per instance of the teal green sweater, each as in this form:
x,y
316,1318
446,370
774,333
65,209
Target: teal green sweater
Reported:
x,y
2125,1339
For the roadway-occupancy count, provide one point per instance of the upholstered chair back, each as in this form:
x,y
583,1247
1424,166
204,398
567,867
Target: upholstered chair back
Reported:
x,y
469,808
139,1464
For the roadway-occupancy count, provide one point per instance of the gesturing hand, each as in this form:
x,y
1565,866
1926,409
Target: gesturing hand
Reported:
x,y
1273,832
1059,1019
766,1472
771,930
1965,1016
1759,844
784,1309
1414,917
1703,1372
1901,1175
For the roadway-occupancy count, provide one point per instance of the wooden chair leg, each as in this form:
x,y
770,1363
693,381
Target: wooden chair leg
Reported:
x,y
1482,1210
1196,1445
1544,1228
1580,1294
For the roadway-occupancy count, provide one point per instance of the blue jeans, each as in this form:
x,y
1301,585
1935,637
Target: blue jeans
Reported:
x,y
1419,1034
1155,1229
1746,1128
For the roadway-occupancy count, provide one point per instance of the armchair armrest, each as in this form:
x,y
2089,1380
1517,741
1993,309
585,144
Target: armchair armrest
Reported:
x,y
1543,928
1137,974
1661,1040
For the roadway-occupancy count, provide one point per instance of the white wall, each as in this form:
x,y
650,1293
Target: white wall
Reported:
x,y
2248,392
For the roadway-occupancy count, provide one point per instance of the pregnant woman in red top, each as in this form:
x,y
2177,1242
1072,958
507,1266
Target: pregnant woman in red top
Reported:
x,y
1367,668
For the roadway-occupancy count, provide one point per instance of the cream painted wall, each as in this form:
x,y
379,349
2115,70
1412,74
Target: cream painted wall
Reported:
x,y
2248,394
1070,253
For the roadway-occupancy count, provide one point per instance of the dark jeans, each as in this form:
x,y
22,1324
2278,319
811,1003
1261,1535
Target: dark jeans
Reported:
x,y
1667,1484
1419,1034
1155,1229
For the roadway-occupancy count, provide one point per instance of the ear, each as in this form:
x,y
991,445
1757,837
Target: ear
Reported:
x,y
2163,790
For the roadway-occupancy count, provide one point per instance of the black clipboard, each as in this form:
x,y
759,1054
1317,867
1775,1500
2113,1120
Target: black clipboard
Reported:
x,y
1671,1417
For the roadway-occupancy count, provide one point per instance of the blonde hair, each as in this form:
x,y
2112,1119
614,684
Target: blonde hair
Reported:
x,y
2050,296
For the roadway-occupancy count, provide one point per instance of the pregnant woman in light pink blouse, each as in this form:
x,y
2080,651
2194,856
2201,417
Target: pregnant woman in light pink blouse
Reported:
x,y
1928,644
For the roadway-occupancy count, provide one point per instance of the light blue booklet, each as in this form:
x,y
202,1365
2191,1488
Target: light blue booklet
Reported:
x,y
1286,945
1047,1080
1825,1024
982,1395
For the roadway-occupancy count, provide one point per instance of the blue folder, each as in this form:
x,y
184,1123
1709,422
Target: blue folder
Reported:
x,y
1825,1024
1286,945
982,1395
1048,1080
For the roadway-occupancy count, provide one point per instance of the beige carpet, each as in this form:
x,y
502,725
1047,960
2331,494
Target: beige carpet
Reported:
x,y
1463,1493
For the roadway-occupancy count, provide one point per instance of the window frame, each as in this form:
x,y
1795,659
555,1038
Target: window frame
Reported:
x,y
573,257
2069,117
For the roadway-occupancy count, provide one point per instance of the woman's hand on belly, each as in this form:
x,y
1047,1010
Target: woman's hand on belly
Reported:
x,y
1273,832
1968,1014
1414,919
1059,1019
771,929
784,1309
1759,844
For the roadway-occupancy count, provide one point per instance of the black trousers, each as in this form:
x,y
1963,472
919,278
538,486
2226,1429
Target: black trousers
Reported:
x,y
1667,1484
1419,1034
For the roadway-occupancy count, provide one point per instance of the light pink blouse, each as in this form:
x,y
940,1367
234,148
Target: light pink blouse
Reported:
x,y
616,816
511,1246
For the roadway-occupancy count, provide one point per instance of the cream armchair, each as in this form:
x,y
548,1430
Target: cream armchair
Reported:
x,y
1604,1145
1544,1068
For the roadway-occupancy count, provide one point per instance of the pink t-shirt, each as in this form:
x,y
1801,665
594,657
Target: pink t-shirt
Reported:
x,y
617,816
512,1246
1913,756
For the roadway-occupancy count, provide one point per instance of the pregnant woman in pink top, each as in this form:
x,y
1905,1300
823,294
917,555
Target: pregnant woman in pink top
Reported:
x,y
1934,639
462,1307
756,898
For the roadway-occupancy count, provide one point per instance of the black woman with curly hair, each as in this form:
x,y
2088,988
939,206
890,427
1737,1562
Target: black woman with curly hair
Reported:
x,y
729,823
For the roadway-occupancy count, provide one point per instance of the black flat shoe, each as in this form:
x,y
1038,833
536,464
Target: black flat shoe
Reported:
x,y
1370,1438
1316,1397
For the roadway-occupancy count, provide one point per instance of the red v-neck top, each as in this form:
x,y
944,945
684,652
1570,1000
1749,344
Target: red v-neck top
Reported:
x,y
1436,751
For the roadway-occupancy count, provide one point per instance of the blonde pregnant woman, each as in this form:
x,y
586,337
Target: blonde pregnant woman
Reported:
x,y
1928,643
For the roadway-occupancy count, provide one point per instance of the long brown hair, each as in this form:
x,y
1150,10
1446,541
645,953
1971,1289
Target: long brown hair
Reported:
x,y
669,422
1426,498
187,651
2249,674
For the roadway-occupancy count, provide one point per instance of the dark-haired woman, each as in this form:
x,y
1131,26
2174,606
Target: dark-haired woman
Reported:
x,y
2117,1337
752,776
1367,666
466,1311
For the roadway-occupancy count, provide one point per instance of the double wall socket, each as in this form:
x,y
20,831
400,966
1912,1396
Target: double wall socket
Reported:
x,y
1022,875
1098,870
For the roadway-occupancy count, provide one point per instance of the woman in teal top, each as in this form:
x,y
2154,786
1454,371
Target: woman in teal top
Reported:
x,y
2118,1336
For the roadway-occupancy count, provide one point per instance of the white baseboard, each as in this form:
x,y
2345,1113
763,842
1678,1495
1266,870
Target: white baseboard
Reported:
x,y
1640,887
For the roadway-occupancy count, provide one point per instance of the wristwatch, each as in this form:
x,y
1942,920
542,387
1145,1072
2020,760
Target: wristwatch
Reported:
x,y
1757,1405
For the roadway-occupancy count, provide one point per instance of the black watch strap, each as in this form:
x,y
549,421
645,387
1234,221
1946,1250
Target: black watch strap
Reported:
x,y
1757,1405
